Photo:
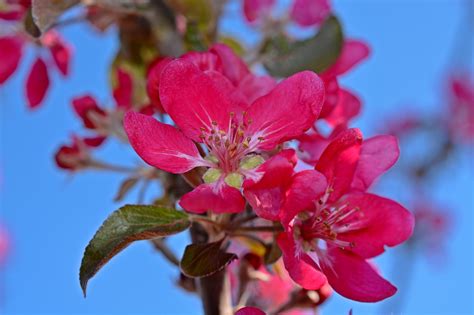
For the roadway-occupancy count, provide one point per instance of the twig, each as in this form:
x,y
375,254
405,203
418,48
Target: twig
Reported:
x,y
161,246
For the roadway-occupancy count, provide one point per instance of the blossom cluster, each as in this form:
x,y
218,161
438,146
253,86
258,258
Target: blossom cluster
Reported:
x,y
238,139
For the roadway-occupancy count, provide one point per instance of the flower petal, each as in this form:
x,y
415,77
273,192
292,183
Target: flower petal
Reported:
x,y
276,171
153,82
217,197
384,223
37,83
301,268
192,99
233,66
266,195
347,107
353,52
377,155
248,310
310,12
123,92
161,145
288,110
306,187
255,9
59,49
266,202
339,160
354,278
253,86
331,87
84,106
11,50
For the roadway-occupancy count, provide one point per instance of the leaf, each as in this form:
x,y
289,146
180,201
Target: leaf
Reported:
x,y
124,226
201,260
125,187
317,53
45,13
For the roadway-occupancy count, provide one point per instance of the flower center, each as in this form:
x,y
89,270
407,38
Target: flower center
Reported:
x,y
227,148
325,223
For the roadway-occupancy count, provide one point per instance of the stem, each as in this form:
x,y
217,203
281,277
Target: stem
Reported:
x,y
215,289
161,246
109,167
258,229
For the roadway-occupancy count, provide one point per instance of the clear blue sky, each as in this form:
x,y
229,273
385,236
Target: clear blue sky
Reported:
x,y
52,216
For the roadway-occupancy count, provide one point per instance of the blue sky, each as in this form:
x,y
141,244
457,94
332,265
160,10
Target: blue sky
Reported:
x,y
52,215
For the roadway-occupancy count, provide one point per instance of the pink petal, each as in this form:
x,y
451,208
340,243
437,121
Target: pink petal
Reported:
x,y
384,223
233,66
377,155
312,146
310,12
84,106
37,83
266,196
204,60
353,52
255,9
153,82
217,197
354,278
305,189
192,99
248,310
123,92
302,269
94,142
339,160
288,110
331,87
10,56
276,171
59,49
161,145
266,202
237,100
253,86
348,106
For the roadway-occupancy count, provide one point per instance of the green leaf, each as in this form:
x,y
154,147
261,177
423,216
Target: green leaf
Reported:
x,y
45,13
201,260
124,226
317,53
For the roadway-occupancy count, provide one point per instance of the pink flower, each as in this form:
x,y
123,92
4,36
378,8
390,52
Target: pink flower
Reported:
x,y
76,155
233,132
432,228
310,12
461,109
333,226
222,64
37,83
87,109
